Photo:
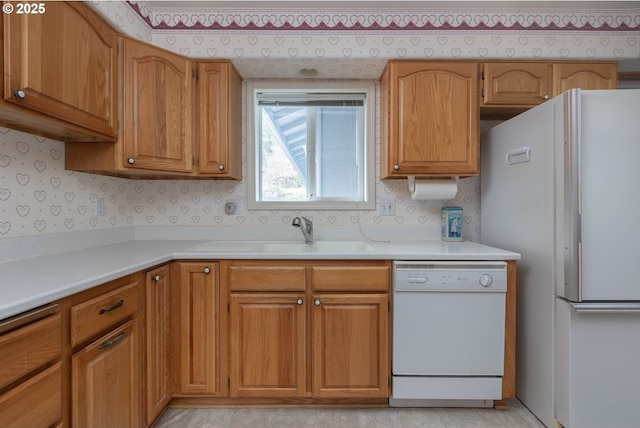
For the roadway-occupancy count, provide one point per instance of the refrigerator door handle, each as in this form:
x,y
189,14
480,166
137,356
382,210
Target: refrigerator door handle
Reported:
x,y
572,197
521,155
616,308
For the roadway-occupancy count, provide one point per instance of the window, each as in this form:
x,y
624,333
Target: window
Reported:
x,y
311,145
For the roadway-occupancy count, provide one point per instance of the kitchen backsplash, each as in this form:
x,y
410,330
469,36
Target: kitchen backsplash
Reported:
x,y
38,197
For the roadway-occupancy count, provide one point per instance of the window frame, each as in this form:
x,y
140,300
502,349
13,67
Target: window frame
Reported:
x,y
253,147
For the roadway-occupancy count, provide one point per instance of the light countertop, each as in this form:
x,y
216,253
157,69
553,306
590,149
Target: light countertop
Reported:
x,y
29,282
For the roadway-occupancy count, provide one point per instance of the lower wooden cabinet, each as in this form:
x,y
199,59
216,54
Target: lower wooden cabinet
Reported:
x,y
224,332
105,381
106,355
350,338
268,345
196,328
327,340
157,384
35,403
31,369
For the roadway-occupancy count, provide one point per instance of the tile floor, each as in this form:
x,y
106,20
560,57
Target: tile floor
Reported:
x,y
516,417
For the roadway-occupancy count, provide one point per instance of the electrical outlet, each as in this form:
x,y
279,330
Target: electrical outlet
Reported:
x,y
101,208
387,207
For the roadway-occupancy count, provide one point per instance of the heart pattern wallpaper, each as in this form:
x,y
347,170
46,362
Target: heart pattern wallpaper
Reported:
x,y
38,196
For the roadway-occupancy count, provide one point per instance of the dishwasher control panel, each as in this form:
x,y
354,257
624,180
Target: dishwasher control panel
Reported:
x,y
449,276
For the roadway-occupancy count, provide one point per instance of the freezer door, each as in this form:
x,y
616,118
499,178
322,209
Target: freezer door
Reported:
x,y
601,196
597,382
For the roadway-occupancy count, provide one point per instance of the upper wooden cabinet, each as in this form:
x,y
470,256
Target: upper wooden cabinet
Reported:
x,y
584,75
60,73
219,120
511,87
157,108
430,119
179,118
520,84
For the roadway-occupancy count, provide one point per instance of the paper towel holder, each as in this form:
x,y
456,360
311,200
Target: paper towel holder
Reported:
x,y
411,181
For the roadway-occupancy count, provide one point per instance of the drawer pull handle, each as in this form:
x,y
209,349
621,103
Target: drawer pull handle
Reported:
x,y
112,342
112,308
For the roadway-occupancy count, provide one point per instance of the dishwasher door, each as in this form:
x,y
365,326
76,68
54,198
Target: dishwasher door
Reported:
x,y
448,330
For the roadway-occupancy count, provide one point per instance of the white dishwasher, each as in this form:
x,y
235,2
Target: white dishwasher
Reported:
x,y
448,333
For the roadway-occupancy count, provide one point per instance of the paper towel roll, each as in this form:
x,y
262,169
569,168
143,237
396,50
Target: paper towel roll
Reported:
x,y
429,189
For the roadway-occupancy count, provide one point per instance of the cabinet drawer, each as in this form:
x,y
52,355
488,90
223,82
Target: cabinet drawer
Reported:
x,y
98,314
351,278
36,403
267,278
29,347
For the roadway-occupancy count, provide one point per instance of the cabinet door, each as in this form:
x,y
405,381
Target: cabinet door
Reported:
x,y
516,83
157,108
219,130
63,63
350,345
268,345
158,317
433,119
198,338
105,382
585,76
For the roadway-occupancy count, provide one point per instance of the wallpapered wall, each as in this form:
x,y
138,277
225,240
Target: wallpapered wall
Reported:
x,y
37,196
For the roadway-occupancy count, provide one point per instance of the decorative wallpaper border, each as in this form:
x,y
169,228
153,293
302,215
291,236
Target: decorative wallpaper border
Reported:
x,y
388,20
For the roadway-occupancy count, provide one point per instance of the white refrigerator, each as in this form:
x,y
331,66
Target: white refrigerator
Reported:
x,y
560,186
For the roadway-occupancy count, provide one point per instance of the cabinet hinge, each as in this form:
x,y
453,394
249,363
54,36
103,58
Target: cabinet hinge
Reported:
x,y
483,75
482,92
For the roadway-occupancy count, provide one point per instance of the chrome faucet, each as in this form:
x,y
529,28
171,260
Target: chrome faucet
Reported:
x,y
306,228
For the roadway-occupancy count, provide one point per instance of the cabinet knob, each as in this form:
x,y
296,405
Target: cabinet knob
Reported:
x,y
20,94
156,278
299,301
317,302
546,97
221,167
396,167
131,161
207,270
